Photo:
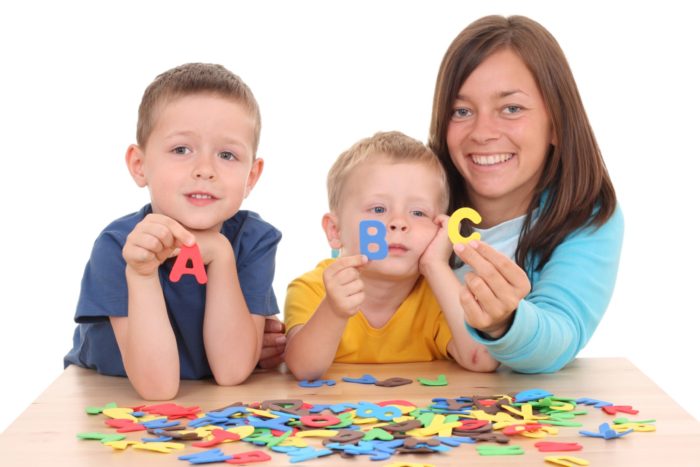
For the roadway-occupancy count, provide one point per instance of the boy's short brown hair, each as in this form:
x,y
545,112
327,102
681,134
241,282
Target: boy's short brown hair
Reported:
x,y
188,79
391,146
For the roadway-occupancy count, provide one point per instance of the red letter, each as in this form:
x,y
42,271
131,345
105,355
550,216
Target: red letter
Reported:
x,y
180,267
249,457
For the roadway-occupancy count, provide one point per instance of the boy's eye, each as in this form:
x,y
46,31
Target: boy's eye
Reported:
x,y
378,210
182,150
418,213
227,156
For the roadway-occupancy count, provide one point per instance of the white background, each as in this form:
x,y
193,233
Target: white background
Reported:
x,y
72,75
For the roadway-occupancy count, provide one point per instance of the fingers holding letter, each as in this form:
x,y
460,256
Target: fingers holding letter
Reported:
x,y
344,287
493,290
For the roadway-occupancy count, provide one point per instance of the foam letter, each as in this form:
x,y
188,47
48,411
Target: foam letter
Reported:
x,y
455,220
379,239
180,267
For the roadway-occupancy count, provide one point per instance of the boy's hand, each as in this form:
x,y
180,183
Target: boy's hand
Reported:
x,y
493,290
152,241
344,287
212,245
440,248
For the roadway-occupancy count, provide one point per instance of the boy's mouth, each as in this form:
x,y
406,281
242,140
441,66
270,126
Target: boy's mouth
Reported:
x,y
199,195
199,198
397,248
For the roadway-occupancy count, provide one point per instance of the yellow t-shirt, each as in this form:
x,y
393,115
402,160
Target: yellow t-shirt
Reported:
x,y
417,332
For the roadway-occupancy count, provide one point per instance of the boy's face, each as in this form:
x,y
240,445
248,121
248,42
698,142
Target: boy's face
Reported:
x,y
198,161
406,198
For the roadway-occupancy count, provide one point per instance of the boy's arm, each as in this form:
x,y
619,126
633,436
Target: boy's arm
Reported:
x,y
312,346
232,335
446,288
462,348
145,338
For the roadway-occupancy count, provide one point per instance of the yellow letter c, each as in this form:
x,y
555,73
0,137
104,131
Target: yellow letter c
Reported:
x,y
455,220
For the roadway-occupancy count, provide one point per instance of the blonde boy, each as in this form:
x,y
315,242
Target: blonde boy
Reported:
x,y
197,136
357,311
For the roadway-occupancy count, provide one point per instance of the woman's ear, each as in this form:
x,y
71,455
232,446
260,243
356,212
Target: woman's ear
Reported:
x,y
332,230
134,162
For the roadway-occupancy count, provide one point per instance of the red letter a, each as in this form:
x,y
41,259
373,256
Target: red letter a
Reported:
x,y
188,253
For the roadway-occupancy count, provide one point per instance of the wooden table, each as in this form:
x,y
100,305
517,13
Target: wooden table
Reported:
x,y
45,434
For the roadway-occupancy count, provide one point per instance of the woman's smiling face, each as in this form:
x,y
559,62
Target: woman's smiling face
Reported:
x,y
499,135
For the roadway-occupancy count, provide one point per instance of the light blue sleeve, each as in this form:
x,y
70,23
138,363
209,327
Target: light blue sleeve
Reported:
x,y
568,299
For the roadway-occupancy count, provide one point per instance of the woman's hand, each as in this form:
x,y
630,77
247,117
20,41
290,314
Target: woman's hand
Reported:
x,y
273,345
493,289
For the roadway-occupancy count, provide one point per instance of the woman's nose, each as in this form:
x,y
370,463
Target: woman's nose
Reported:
x,y
484,129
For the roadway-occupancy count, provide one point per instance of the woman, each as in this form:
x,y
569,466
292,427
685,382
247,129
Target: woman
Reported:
x,y
510,129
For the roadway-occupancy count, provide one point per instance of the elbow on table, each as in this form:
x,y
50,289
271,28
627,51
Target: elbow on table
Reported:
x,y
473,358
229,380
479,362
233,377
302,372
549,366
486,366
160,391
549,350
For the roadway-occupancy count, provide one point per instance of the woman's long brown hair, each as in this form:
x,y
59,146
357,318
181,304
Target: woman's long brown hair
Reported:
x,y
578,189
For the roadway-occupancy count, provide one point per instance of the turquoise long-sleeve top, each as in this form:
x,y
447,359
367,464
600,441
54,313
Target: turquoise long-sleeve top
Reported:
x,y
568,298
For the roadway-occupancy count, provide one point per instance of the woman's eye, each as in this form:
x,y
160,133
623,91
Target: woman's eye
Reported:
x,y
182,150
512,109
227,155
461,113
378,210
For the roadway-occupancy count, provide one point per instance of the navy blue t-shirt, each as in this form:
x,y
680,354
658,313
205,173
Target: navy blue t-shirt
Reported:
x,y
103,293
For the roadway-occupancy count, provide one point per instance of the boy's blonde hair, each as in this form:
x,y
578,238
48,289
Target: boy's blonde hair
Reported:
x,y
194,78
391,146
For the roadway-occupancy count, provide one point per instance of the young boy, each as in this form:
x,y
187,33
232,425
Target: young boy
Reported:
x,y
353,310
197,136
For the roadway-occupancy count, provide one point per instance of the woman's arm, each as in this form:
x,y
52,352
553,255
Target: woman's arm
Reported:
x,y
568,299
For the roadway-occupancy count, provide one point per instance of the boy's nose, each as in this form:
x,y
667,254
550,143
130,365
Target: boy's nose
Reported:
x,y
398,224
203,170
206,175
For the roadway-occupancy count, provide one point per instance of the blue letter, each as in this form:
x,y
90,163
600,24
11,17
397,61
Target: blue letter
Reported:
x,y
379,239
